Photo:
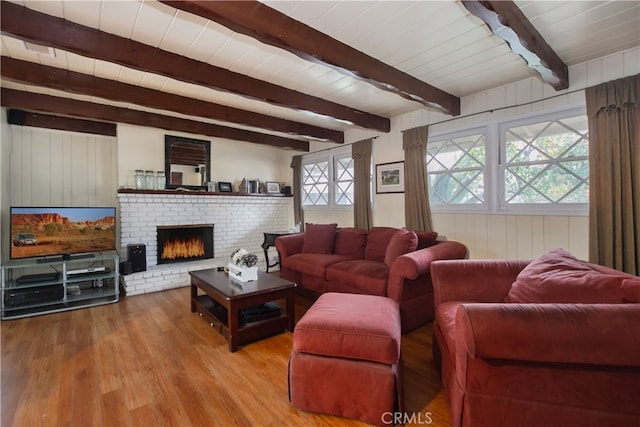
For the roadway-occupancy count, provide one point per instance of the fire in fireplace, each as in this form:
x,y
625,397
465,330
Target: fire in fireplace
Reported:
x,y
185,243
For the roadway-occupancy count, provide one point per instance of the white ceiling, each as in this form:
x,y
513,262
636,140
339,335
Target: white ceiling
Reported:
x,y
438,42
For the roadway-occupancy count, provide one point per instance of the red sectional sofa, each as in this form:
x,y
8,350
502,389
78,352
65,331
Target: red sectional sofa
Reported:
x,y
385,261
549,342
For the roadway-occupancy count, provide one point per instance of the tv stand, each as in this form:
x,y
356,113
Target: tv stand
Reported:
x,y
64,257
38,286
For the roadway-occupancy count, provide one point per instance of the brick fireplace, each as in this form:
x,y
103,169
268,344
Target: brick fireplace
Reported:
x,y
239,223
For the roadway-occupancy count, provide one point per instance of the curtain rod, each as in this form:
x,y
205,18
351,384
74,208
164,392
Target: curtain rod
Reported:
x,y
501,108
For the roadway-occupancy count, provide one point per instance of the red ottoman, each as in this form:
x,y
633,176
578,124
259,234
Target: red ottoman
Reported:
x,y
346,358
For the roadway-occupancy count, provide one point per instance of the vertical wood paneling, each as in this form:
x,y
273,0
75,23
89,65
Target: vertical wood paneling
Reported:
x,y
537,236
52,168
631,62
579,236
556,232
478,225
40,161
67,176
612,67
524,236
496,236
79,171
57,168
515,236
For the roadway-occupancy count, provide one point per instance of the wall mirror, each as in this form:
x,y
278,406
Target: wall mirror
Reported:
x,y
187,162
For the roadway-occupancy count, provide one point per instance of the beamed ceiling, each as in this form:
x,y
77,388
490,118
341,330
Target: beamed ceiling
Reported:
x,y
284,73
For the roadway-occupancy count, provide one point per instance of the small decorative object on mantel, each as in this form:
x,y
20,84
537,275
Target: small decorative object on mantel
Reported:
x,y
243,265
273,187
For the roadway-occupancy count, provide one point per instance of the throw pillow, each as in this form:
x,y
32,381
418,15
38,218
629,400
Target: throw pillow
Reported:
x,y
319,238
350,241
377,241
559,277
402,242
426,239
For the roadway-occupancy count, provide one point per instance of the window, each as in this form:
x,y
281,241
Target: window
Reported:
x,y
315,184
537,163
343,180
456,169
327,181
545,162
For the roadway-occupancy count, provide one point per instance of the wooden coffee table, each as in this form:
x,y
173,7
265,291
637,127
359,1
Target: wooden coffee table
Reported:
x,y
224,298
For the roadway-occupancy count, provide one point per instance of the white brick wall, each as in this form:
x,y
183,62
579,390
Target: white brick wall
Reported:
x,y
239,222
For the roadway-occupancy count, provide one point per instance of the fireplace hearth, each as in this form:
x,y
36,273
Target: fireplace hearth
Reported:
x,y
182,243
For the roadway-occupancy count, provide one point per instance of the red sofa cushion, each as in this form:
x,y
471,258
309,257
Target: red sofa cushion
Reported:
x,y
365,275
319,238
402,242
351,242
559,277
313,264
343,325
426,239
377,241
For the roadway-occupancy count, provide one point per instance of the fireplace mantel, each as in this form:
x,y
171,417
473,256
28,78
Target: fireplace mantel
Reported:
x,y
200,193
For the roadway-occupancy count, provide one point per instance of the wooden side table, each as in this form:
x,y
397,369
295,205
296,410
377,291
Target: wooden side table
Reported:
x,y
270,240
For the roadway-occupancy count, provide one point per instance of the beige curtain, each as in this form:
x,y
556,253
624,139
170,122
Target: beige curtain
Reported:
x,y
361,154
417,212
298,212
613,109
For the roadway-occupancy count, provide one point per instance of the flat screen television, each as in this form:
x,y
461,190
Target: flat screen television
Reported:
x,y
61,232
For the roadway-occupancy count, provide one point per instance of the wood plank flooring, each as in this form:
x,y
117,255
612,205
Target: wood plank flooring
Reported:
x,y
149,361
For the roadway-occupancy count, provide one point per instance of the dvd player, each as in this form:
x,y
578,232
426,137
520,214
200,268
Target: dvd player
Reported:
x,y
92,270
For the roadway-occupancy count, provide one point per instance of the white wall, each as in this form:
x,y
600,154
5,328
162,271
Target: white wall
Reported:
x,y
494,235
143,148
54,168
5,202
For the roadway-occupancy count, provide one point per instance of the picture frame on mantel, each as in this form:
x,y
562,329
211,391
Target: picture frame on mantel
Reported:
x,y
225,187
390,177
273,187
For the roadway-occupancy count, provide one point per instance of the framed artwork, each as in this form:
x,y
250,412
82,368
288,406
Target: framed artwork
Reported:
x,y
390,177
273,187
176,178
225,187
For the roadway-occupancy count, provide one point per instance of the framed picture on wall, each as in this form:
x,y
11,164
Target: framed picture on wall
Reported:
x,y
390,177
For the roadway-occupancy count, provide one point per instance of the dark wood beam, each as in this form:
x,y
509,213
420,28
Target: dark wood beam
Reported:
x,y
48,121
43,29
271,27
508,22
69,81
75,108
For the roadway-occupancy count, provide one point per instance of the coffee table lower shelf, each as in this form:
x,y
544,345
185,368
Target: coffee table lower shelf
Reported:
x,y
217,316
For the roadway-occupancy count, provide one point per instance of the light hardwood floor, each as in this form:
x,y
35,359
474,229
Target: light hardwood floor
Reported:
x,y
149,361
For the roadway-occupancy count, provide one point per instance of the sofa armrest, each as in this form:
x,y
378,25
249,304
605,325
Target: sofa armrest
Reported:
x,y
289,245
474,280
595,334
411,266
418,263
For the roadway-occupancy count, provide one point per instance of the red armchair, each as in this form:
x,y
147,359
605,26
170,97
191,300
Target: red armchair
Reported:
x,y
533,364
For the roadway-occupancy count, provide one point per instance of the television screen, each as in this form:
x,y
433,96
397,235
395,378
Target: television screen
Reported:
x,y
44,232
